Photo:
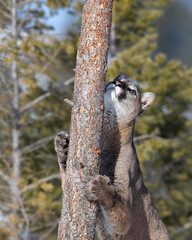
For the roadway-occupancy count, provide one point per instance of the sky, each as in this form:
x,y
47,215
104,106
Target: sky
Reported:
x,y
63,21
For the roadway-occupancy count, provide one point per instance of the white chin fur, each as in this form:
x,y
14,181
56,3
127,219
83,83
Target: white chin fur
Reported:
x,y
111,95
112,103
117,91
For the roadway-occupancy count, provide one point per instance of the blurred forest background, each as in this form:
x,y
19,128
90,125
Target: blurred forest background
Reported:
x,y
150,42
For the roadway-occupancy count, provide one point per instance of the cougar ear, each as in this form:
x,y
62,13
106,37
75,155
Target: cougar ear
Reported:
x,y
120,77
147,99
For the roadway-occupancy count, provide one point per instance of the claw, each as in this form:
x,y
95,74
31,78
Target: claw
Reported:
x,y
61,147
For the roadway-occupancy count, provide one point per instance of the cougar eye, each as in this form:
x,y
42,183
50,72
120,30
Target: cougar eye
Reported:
x,y
133,92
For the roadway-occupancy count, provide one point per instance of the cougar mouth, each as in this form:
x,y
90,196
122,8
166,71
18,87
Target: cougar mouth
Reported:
x,y
120,89
121,94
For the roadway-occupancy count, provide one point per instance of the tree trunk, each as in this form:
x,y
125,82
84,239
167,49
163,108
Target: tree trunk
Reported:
x,y
16,151
78,216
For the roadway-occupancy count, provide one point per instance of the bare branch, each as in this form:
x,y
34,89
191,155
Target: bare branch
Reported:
x,y
27,16
6,206
3,208
3,109
7,15
183,228
5,196
24,213
34,146
3,122
69,81
5,5
147,136
51,59
42,180
43,226
24,3
4,187
5,177
5,161
54,225
71,103
42,97
39,119
34,102
112,60
23,21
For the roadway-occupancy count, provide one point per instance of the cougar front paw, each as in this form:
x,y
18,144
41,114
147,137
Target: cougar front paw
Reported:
x,y
62,147
99,188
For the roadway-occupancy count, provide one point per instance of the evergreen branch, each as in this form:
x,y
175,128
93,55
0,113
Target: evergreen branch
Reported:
x,y
34,146
42,180
147,136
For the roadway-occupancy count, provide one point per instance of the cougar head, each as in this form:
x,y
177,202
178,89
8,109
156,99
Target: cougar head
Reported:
x,y
124,98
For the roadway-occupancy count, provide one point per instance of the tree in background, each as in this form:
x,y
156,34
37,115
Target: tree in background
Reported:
x,y
30,117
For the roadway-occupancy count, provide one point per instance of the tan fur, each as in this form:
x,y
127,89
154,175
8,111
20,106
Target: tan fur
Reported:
x,y
126,210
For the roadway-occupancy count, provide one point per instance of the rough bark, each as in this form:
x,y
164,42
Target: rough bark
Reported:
x,y
78,215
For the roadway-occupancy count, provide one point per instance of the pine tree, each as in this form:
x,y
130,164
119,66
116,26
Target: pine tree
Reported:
x,y
30,116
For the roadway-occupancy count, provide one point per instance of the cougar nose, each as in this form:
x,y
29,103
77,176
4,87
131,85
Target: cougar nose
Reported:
x,y
117,83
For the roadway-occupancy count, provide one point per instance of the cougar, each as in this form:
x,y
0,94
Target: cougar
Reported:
x,y
126,210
